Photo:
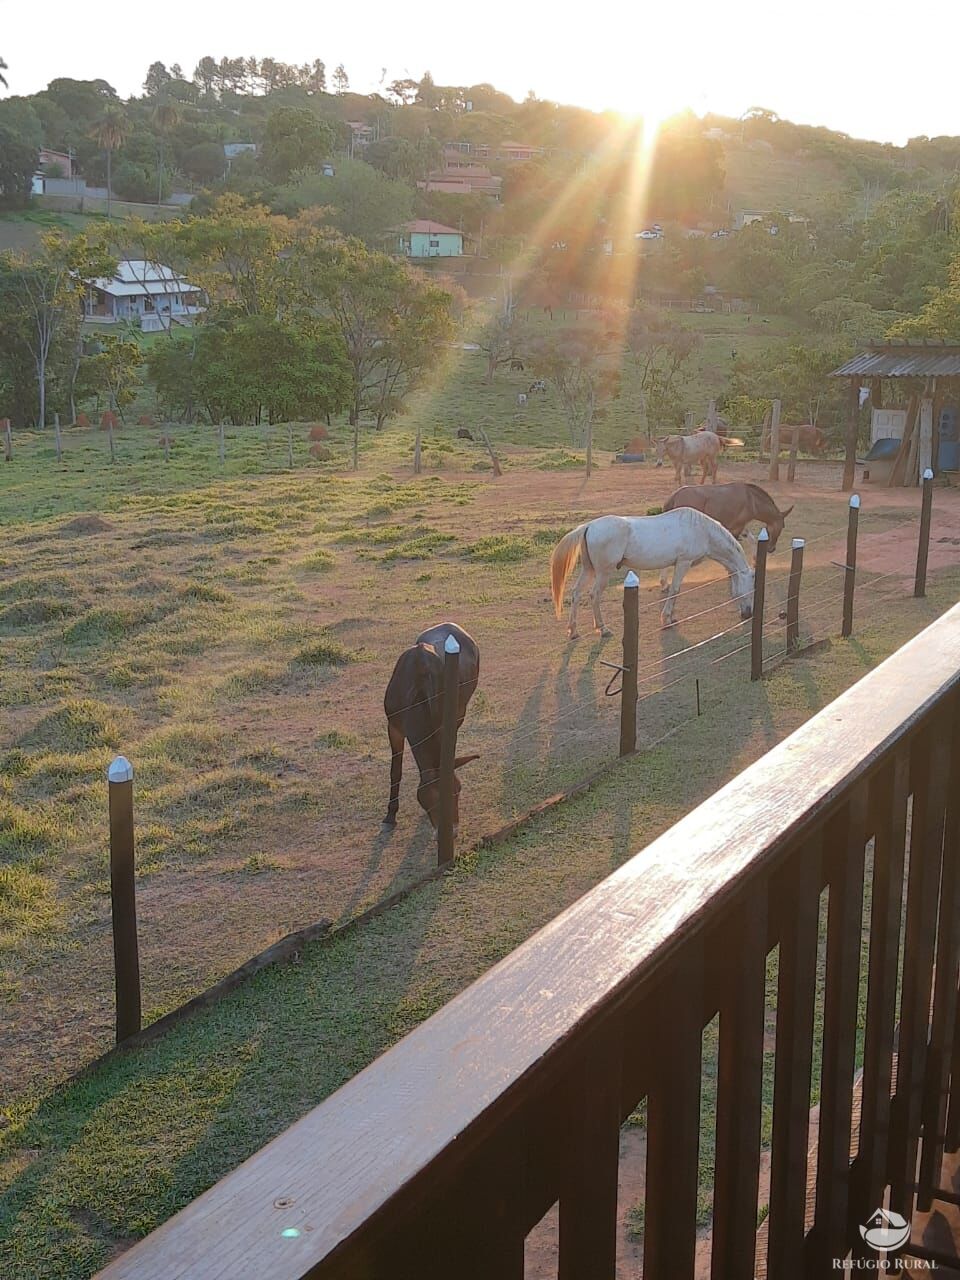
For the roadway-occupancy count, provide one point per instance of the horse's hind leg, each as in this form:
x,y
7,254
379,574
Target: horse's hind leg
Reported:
x,y
586,575
598,587
395,735
663,579
679,570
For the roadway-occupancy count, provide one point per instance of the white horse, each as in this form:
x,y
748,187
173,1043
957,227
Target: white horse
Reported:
x,y
686,451
682,537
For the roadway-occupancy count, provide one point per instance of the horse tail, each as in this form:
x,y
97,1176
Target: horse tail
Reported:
x,y
562,560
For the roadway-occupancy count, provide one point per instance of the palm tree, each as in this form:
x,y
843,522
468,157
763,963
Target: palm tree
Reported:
x,y
110,132
166,117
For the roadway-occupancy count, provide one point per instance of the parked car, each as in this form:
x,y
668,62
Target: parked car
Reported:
x,y
718,235
648,235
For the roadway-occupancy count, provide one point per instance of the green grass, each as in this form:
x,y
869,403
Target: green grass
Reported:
x,y
114,1155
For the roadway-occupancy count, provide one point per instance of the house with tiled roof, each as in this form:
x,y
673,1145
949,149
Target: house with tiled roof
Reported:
x,y
423,238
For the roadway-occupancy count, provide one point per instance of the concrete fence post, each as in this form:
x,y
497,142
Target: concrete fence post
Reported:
x,y
759,592
448,749
850,566
923,546
123,897
631,649
793,594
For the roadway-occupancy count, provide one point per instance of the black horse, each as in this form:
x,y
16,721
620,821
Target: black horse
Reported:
x,y
413,704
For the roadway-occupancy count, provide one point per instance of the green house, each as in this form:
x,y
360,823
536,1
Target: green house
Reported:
x,y
425,239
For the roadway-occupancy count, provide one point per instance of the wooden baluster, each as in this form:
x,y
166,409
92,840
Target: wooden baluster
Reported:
x,y
673,1124
928,768
944,1017
588,1199
740,961
889,790
844,849
797,905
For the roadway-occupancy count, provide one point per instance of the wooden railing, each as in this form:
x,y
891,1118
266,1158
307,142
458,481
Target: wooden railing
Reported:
x,y
440,1157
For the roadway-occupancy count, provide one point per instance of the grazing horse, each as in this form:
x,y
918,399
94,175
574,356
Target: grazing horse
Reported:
x,y
702,447
414,706
734,505
539,385
682,538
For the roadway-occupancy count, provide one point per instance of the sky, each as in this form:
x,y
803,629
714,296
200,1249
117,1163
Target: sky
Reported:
x,y
856,67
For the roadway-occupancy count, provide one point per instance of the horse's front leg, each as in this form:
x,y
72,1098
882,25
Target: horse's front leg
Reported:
x,y
598,588
395,734
679,570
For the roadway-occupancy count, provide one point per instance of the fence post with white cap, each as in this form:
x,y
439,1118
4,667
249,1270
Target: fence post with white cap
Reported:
x,y
123,896
850,566
923,547
448,749
631,648
793,594
759,592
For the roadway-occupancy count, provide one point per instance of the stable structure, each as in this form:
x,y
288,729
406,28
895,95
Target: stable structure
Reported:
x,y
913,388
147,294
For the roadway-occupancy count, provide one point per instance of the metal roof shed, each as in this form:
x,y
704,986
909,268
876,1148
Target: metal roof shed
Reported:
x,y
929,425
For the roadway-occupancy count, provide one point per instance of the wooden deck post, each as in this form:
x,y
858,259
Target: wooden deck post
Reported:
x,y
756,622
448,749
923,545
631,649
850,566
774,473
793,594
123,897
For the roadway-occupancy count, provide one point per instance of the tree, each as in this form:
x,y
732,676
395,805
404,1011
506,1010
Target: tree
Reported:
x,y
362,202
165,118
393,323
403,92
110,133
660,348
316,78
576,364
205,74
205,162
46,290
341,81
395,157
295,139
110,371
940,317
157,79
502,340
427,93
3,79
243,369
18,164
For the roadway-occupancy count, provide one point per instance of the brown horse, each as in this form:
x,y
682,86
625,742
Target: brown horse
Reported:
x,y
809,438
734,506
413,703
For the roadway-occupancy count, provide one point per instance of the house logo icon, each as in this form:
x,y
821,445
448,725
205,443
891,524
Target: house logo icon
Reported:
x,y
885,1229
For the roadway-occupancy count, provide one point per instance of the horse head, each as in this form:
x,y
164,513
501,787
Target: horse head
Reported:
x,y
428,792
775,528
663,447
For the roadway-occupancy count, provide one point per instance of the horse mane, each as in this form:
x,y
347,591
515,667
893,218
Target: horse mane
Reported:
x,y
760,493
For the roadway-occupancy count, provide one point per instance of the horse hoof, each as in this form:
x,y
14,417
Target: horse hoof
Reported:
x,y
573,635
390,820
605,631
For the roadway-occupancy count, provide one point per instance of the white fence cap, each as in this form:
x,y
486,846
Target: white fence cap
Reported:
x,y
120,770
855,500
451,645
797,543
928,474
631,580
763,536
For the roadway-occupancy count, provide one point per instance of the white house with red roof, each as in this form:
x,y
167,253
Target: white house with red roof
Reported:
x,y
422,238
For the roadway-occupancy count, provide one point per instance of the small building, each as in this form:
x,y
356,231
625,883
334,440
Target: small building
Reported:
x,y
361,135
422,238
56,164
463,179
517,151
913,388
147,294
233,149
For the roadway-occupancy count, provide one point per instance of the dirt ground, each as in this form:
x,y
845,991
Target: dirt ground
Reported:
x,y
540,720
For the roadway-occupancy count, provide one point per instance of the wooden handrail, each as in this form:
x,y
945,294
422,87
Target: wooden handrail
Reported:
x,y
374,1153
